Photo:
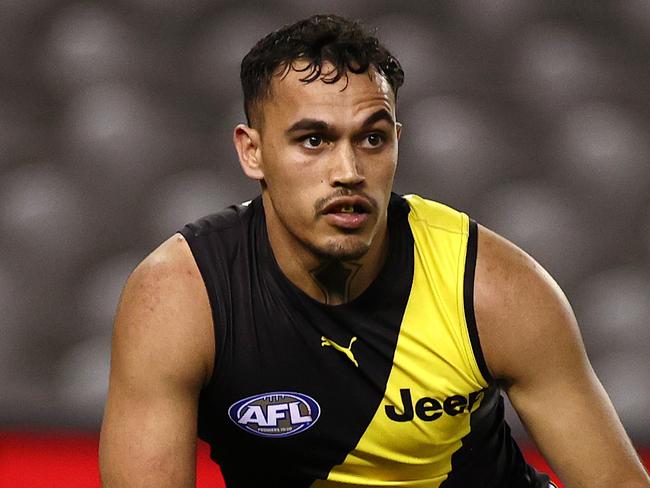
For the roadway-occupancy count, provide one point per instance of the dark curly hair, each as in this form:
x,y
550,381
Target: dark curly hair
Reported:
x,y
318,39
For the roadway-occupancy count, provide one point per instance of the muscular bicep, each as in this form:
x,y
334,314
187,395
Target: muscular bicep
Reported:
x,y
532,343
159,361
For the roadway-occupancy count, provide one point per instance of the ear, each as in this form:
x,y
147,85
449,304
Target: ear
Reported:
x,y
398,128
247,142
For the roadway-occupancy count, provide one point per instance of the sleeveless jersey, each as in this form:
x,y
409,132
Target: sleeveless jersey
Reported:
x,y
389,389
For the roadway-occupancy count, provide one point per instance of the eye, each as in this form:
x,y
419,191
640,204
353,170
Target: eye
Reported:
x,y
312,142
373,140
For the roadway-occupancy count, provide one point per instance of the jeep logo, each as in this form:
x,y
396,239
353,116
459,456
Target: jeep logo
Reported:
x,y
429,409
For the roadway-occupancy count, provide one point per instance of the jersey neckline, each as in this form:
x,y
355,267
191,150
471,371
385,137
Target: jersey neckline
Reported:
x,y
386,281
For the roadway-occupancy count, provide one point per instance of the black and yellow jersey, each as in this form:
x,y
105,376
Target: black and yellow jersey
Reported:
x,y
390,389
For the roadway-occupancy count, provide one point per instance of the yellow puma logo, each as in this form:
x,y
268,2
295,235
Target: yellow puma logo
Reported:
x,y
345,350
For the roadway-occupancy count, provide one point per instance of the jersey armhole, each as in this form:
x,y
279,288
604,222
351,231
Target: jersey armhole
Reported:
x,y
218,312
468,300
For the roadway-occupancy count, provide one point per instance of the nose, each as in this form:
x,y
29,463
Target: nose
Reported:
x,y
346,168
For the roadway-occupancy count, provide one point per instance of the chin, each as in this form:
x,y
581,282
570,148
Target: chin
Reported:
x,y
346,249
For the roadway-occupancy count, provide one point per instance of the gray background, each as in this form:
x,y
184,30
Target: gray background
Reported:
x,y
115,130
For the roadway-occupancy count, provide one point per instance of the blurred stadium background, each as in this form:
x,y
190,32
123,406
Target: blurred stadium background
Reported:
x,y
115,130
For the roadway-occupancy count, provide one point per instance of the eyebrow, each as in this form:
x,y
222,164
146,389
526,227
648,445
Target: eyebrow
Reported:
x,y
381,114
322,126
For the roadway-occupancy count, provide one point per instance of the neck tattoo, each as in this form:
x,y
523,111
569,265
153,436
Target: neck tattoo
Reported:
x,y
334,278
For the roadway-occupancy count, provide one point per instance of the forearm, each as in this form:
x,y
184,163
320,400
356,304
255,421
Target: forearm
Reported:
x,y
587,448
638,479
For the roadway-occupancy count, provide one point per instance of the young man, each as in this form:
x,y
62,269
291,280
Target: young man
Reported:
x,y
331,333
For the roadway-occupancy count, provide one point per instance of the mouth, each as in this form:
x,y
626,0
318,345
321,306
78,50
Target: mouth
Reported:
x,y
348,206
347,213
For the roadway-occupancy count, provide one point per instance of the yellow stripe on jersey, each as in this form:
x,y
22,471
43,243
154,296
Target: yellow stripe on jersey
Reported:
x,y
435,380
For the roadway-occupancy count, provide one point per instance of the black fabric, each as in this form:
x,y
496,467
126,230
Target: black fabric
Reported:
x,y
489,456
268,338
468,295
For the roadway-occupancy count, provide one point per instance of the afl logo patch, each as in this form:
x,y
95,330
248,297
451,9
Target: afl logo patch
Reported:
x,y
275,414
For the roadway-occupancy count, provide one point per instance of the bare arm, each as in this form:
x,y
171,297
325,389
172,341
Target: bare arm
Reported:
x,y
531,342
162,354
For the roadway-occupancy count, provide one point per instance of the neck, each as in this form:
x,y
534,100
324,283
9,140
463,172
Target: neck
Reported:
x,y
328,280
334,278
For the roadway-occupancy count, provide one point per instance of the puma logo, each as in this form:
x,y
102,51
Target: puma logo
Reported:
x,y
345,350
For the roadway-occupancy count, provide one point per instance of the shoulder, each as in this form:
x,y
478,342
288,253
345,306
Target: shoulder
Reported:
x,y
164,311
223,222
168,272
521,313
433,214
172,256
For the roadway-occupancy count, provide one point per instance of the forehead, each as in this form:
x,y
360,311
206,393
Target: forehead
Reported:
x,y
350,97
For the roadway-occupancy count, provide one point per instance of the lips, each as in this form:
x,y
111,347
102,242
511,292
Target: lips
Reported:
x,y
348,205
347,221
347,212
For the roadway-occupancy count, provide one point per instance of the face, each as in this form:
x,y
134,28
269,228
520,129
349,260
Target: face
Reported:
x,y
327,155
